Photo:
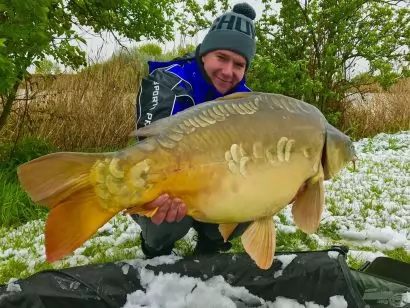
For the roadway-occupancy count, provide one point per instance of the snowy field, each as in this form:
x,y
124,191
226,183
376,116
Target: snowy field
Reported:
x,y
367,209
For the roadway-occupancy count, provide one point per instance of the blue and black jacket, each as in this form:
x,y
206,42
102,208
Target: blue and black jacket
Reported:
x,y
174,86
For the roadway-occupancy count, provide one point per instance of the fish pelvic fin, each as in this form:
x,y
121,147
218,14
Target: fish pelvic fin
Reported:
x,y
259,241
52,178
226,230
72,222
308,206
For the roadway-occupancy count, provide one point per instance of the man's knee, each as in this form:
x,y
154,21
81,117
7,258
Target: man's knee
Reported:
x,y
211,231
239,230
164,235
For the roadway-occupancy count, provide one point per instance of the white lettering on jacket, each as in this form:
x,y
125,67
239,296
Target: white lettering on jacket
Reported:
x,y
154,105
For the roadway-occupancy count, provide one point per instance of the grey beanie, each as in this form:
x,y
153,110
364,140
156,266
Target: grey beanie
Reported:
x,y
233,31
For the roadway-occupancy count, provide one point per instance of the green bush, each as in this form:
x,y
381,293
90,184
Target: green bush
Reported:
x,y
15,205
151,49
16,208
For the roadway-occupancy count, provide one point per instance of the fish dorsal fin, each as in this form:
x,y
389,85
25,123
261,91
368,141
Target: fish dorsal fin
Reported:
x,y
237,95
152,129
164,124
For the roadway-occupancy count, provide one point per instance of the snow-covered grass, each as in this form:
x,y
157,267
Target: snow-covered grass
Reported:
x,y
367,209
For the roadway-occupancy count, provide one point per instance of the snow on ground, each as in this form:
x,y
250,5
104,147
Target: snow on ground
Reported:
x,y
285,260
367,209
173,290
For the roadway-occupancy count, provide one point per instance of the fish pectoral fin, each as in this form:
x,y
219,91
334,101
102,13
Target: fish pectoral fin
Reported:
x,y
72,222
136,210
226,230
259,241
308,206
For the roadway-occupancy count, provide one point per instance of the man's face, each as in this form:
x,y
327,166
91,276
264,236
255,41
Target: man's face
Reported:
x,y
225,69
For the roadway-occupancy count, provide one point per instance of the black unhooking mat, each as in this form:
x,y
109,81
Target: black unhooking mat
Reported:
x,y
311,276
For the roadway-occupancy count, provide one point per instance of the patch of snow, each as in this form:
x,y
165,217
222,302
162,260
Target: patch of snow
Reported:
x,y
125,268
13,287
333,254
173,290
405,299
285,260
365,255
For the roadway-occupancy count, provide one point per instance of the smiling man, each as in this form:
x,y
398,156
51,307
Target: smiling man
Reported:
x,y
215,69
224,68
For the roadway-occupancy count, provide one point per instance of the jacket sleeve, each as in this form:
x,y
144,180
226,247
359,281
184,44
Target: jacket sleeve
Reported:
x,y
162,93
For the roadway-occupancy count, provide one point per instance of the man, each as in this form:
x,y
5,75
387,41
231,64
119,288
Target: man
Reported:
x,y
217,68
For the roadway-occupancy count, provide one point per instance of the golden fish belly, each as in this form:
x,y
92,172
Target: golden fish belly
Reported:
x,y
262,193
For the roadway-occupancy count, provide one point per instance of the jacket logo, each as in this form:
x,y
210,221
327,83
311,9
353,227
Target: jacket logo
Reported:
x,y
154,105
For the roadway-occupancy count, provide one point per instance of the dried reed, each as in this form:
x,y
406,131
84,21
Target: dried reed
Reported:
x,y
92,109
379,111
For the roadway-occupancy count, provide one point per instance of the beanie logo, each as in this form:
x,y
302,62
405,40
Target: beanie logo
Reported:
x,y
232,22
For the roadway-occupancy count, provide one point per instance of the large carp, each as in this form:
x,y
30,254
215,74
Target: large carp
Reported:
x,y
237,159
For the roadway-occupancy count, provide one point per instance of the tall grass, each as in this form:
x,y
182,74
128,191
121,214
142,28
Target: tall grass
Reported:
x,y
15,206
92,109
380,111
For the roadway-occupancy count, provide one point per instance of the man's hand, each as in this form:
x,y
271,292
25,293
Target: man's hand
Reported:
x,y
169,209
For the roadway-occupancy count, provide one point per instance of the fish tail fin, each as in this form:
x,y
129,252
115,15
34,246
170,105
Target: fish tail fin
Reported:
x,y
54,177
61,182
73,221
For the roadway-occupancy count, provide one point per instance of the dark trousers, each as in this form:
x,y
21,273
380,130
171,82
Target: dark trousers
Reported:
x,y
161,236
